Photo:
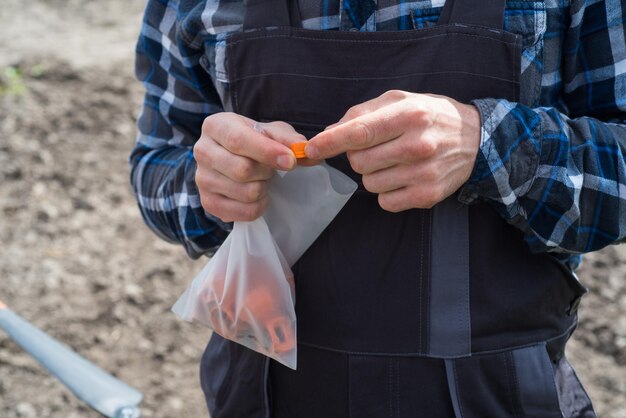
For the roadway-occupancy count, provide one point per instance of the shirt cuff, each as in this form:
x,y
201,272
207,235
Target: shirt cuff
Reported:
x,y
508,155
224,226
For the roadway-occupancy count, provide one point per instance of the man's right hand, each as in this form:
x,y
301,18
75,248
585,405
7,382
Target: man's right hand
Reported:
x,y
236,157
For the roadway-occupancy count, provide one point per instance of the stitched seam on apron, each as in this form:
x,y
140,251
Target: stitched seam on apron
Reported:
x,y
518,408
328,34
508,385
232,71
397,364
419,289
311,37
349,357
547,365
467,321
458,391
429,278
511,384
248,77
390,385
426,355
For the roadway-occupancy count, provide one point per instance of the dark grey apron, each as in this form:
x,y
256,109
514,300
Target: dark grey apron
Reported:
x,y
386,324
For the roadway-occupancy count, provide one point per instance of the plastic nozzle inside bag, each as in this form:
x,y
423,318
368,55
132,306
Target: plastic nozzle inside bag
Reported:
x,y
245,293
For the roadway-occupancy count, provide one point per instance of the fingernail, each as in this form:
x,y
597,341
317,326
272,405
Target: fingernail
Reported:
x,y
311,151
286,162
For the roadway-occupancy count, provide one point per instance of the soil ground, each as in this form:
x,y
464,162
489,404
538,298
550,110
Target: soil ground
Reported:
x,y
76,259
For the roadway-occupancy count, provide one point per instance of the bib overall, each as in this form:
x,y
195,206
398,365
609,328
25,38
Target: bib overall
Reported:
x,y
424,313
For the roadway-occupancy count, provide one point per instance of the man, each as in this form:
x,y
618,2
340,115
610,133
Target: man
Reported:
x,y
488,141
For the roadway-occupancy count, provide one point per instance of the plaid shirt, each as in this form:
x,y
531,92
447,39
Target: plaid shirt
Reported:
x,y
553,165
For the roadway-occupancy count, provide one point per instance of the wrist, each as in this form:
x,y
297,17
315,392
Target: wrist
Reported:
x,y
471,127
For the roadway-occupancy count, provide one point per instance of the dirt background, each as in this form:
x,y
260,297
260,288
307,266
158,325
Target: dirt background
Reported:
x,y
75,257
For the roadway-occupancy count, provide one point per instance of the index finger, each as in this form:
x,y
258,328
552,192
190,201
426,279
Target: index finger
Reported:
x,y
360,133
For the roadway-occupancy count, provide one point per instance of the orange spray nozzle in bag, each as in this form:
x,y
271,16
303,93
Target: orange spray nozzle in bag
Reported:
x,y
298,149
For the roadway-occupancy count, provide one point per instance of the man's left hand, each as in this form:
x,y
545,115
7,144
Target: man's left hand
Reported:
x,y
413,150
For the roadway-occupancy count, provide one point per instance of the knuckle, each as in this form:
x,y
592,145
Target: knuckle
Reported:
x,y
255,191
199,151
280,124
422,116
247,215
354,112
395,94
209,123
243,170
427,147
416,110
429,197
234,141
210,204
201,180
369,184
416,114
387,203
297,135
253,211
362,134
356,162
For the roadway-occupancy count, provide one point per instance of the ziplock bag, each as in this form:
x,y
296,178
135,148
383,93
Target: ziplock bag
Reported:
x,y
245,293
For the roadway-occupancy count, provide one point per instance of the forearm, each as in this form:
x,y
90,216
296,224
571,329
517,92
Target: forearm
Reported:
x,y
179,96
163,183
562,181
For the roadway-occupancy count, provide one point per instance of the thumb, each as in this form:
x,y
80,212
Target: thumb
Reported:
x,y
286,135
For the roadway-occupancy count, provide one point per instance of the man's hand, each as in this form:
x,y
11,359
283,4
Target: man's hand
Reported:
x,y
413,150
236,157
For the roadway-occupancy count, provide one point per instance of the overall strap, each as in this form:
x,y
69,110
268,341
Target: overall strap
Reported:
x,y
450,323
271,13
449,316
486,13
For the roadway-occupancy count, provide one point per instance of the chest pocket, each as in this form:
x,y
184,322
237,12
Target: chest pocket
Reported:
x,y
524,18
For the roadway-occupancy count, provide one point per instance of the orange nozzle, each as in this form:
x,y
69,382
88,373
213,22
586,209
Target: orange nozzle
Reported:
x,y
2,305
298,149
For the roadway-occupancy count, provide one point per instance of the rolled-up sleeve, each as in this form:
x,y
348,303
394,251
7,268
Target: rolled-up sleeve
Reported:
x,y
560,176
179,95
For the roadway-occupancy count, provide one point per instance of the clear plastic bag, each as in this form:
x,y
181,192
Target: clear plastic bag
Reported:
x,y
245,293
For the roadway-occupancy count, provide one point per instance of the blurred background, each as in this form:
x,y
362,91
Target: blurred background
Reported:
x,y
76,259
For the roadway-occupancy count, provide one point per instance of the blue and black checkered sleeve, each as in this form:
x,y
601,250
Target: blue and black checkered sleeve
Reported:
x,y
560,176
179,95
